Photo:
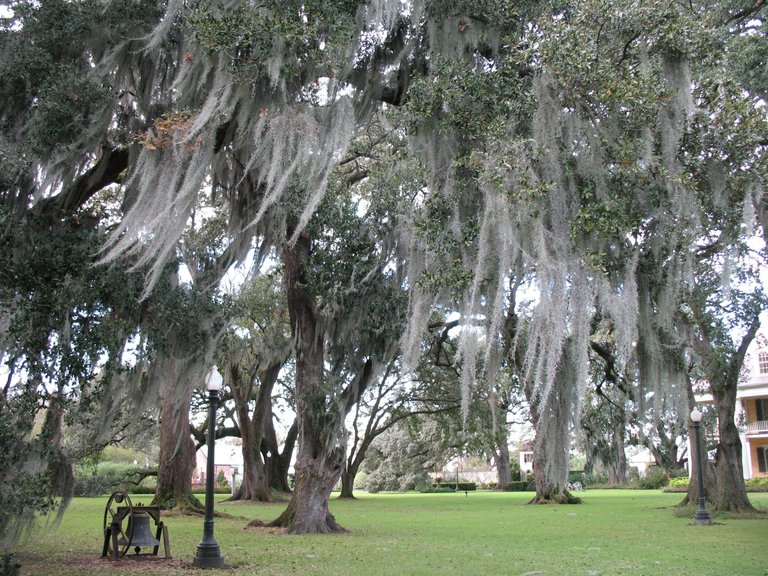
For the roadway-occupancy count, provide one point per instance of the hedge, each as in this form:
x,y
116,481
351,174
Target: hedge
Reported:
x,y
520,486
454,487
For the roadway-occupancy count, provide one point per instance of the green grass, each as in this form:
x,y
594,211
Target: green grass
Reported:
x,y
615,532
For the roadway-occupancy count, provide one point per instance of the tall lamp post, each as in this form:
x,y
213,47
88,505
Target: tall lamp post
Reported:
x,y
208,554
702,517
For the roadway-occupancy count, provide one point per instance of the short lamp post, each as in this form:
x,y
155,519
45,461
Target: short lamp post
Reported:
x,y
208,554
702,517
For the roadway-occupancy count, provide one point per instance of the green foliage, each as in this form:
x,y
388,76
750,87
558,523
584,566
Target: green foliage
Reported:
x,y
454,486
395,462
680,482
275,37
9,567
759,484
517,486
216,490
24,471
105,478
654,479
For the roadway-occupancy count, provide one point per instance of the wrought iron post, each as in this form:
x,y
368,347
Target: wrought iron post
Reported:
x,y
208,554
702,517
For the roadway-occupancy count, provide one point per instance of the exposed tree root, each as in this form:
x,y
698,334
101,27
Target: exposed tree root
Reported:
x,y
564,498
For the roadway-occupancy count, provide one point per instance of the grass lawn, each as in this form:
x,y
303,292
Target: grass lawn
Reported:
x,y
615,532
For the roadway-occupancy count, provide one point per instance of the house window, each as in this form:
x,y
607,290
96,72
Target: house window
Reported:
x,y
762,459
762,362
761,407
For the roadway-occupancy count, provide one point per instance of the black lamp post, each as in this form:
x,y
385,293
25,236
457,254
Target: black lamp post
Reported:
x,y
702,517
208,554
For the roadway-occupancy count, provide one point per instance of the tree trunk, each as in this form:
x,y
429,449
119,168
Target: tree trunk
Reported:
x,y
723,368
348,476
320,456
617,471
731,495
355,460
552,420
255,485
501,459
308,512
278,463
177,449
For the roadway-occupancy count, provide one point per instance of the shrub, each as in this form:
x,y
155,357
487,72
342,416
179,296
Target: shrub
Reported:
x,y
516,486
653,480
530,483
757,484
453,486
142,490
594,479
679,482
360,480
107,477
216,490
576,476
678,473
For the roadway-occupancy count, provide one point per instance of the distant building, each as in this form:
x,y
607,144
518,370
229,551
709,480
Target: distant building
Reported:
x,y
753,408
229,460
526,464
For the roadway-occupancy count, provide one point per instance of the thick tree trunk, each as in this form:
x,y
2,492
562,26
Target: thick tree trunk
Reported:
x,y
255,485
550,452
177,449
320,456
617,472
731,495
723,368
552,420
308,512
501,460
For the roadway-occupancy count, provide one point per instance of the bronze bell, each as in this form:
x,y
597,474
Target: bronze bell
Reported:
x,y
141,535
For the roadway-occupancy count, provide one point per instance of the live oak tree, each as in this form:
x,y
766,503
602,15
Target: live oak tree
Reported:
x,y
568,138
254,351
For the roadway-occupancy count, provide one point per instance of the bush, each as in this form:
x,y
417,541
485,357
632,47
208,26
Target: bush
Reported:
x,y
104,478
216,490
762,481
653,480
521,486
593,479
576,476
454,487
142,490
360,480
107,477
679,482
757,484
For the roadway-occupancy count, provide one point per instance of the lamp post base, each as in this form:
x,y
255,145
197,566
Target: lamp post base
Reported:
x,y
208,556
702,518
